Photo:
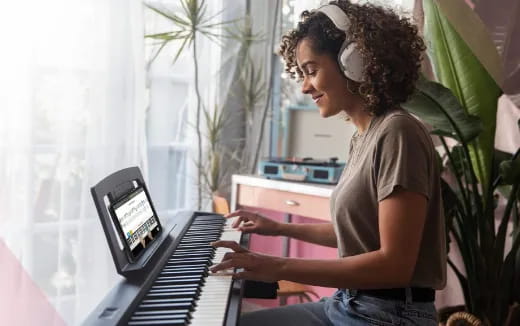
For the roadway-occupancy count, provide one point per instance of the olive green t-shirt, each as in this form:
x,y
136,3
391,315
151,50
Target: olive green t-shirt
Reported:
x,y
395,151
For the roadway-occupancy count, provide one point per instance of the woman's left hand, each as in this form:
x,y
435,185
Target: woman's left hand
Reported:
x,y
256,267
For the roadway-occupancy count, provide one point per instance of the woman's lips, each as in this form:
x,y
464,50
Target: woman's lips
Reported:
x,y
316,98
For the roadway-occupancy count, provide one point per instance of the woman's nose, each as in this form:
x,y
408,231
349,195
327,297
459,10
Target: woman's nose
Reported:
x,y
306,86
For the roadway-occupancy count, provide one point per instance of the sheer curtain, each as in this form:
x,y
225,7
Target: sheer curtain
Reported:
x,y
72,111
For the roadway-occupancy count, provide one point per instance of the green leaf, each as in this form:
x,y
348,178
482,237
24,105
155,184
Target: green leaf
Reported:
x,y
170,16
458,160
451,204
516,280
437,106
458,69
510,171
482,42
462,280
194,20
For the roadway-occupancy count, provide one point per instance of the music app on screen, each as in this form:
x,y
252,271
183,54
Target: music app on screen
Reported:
x,y
136,218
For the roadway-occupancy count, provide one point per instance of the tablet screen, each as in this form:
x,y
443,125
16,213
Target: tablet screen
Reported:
x,y
137,220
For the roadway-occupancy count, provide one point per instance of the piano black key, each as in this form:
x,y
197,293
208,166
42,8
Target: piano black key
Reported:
x,y
181,268
159,312
188,261
165,322
173,294
164,306
206,229
168,300
199,233
203,234
184,273
208,221
207,251
176,265
169,288
173,288
191,246
200,239
194,255
180,277
203,241
193,280
160,317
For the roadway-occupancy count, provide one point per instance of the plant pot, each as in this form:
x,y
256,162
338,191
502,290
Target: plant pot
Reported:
x,y
445,312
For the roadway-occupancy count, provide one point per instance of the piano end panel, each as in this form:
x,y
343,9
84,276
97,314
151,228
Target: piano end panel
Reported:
x,y
237,293
235,303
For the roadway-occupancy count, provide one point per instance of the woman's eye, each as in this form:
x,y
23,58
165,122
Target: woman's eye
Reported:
x,y
311,73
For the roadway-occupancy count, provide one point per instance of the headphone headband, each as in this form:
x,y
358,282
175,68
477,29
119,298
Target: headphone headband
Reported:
x,y
337,15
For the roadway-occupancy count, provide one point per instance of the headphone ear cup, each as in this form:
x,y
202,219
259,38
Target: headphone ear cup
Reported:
x,y
351,62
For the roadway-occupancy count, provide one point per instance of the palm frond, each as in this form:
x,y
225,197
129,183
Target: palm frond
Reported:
x,y
181,48
176,19
158,51
222,23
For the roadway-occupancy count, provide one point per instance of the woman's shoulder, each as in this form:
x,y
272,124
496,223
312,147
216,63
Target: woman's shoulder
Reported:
x,y
401,121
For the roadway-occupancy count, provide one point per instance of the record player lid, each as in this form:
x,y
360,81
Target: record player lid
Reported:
x,y
304,161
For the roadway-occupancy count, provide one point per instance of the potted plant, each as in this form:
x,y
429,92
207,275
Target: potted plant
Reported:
x,y
465,111
491,269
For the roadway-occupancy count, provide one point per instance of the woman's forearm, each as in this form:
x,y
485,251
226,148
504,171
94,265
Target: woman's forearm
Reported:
x,y
364,271
321,233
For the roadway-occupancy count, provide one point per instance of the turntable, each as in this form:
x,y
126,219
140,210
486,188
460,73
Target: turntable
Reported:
x,y
306,169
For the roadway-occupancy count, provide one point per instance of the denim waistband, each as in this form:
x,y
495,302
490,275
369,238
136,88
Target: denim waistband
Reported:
x,y
408,295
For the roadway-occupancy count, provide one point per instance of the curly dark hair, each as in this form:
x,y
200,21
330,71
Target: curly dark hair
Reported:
x,y
390,46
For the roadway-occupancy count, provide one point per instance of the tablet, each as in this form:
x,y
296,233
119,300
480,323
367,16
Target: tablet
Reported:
x,y
136,221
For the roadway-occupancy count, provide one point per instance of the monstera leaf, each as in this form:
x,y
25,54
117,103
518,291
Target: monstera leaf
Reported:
x,y
437,106
457,68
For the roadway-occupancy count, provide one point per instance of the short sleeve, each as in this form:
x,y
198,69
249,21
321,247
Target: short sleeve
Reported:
x,y
402,157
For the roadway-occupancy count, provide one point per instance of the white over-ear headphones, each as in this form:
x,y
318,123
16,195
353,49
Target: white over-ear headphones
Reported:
x,y
349,57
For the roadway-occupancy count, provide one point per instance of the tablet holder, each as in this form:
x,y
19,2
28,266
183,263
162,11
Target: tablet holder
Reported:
x,y
113,187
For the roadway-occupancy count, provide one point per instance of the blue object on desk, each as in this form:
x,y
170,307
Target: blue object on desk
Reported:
x,y
304,170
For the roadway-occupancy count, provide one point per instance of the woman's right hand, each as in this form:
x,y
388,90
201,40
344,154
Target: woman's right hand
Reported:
x,y
252,222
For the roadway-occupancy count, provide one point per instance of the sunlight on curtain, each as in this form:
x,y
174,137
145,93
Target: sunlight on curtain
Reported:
x,y
72,111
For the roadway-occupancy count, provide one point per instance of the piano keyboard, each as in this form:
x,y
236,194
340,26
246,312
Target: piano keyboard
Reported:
x,y
185,292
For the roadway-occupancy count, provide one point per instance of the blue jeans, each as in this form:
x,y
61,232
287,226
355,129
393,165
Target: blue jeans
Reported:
x,y
346,308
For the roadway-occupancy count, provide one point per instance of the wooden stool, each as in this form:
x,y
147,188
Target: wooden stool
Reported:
x,y
220,205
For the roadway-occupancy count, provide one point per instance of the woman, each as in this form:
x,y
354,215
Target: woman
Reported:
x,y
386,209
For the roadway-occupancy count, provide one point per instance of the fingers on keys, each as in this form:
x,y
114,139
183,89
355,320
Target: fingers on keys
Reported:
x,y
233,245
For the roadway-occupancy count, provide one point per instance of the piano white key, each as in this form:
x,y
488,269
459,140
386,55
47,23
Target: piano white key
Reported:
x,y
212,304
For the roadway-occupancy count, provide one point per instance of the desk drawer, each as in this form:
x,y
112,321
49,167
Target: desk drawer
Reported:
x,y
284,201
